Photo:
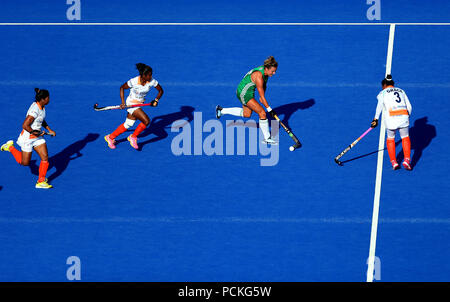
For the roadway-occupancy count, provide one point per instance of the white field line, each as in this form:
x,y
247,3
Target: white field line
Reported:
x,y
212,24
376,199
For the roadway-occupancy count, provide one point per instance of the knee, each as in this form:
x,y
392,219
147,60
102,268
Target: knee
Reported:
x,y
146,121
129,123
262,115
247,114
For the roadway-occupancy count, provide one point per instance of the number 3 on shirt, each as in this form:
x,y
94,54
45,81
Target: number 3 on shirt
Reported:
x,y
398,100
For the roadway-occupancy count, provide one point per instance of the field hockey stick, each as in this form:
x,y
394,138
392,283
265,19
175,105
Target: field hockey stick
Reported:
x,y
97,108
42,133
336,159
297,142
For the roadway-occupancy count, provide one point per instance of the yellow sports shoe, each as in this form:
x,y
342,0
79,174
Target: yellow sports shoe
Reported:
x,y
43,185
5,147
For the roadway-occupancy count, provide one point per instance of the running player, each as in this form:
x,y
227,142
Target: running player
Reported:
x,y
31,137
396,110
139,87
255,78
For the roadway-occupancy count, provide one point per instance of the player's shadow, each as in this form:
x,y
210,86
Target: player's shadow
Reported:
x,y
61,160
286,111
421,135
1,188
159,124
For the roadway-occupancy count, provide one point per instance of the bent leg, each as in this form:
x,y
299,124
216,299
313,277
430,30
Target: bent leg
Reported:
x,y
19,156
253,105
43,166
143,118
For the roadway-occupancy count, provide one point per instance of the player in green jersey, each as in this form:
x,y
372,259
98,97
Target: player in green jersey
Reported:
x,y
254,79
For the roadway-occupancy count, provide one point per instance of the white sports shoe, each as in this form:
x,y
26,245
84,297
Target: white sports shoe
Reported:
x,y
270,141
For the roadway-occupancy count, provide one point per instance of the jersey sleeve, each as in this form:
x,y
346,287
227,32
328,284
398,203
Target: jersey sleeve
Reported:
x,y
379,106
154,83
132,82
33,111
408,104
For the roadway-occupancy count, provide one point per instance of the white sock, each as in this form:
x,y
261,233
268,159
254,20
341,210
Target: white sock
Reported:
x,y
233,111
264,126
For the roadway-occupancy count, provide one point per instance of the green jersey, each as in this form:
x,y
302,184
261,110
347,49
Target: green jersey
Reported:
x,y
246,88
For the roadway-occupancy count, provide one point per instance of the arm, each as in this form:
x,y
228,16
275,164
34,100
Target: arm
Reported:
x,y
259,82
27,123
50,131
377,112
408,104
158,97
122,94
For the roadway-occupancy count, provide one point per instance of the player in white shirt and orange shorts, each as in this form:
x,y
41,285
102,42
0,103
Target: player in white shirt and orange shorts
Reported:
x,y
139,87
31,137
396,108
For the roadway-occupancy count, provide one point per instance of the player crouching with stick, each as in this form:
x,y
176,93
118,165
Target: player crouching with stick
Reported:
x,y
31,137
255,78
139,87
396,111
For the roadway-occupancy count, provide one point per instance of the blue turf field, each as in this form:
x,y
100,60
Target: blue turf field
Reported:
x,y
149,215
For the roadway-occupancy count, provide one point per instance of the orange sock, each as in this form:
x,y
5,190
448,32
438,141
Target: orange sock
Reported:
x,y
121,129
16,153
43,166
390,143
139,129
406,144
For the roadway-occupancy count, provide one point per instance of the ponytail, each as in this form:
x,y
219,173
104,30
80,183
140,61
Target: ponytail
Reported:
x,y
143,69
270,62
41,94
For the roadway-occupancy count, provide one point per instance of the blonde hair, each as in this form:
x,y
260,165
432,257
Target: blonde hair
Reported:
x,y
270,62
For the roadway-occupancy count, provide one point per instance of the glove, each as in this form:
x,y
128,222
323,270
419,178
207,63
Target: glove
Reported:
x,y
374,123
271,112
154,103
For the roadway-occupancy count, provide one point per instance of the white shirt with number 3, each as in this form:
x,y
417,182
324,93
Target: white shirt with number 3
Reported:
x,y
396,108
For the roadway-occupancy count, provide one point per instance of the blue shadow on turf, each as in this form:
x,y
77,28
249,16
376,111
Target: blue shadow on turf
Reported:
x,y
61,160
287,110
421,135
158,125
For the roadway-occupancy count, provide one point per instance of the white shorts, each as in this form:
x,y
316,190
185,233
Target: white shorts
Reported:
x,y
133,102
27,144
404,132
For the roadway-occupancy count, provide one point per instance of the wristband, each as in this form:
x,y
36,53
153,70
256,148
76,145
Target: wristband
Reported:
x,y
269,109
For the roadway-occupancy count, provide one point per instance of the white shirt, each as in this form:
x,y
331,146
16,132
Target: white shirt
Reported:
x,y
138,91
39,115
396,108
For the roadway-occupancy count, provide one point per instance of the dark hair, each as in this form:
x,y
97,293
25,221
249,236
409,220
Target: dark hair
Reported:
x,y
387,81
143,69
41,94
270,62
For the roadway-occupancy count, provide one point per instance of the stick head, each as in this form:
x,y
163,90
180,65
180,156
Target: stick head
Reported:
x,y
297,145
338,162
95,106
